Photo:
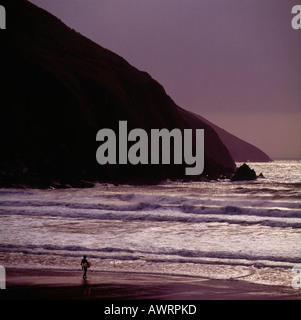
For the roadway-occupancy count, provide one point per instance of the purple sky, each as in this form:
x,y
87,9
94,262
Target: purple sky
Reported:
x,y
235,62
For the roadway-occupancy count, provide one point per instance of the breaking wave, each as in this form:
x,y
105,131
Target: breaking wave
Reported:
x,y
165,255
164,208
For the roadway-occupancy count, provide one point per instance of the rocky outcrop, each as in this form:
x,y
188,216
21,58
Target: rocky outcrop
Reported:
x,y
244,172
58,89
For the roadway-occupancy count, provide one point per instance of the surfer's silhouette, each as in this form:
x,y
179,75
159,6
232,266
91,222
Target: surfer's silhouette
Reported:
x,y
84,265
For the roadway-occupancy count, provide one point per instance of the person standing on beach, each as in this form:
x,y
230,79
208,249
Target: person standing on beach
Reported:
x,y
84,265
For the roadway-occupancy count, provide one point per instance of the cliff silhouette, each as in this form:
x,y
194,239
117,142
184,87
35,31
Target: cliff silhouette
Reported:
x,y
59,88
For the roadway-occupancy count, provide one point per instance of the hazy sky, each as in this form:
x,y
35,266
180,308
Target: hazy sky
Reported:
x,y
235,62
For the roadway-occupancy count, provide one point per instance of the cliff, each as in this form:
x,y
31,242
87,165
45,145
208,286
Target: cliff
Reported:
x,y
240,150
58,89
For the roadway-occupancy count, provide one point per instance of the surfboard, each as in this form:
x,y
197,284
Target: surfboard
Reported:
x,y
88,264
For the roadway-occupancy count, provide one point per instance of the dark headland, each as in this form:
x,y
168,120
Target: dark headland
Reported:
x,y
58,89
240,150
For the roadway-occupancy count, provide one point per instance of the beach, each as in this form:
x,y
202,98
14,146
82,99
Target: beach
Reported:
x,y
173,241
24,284
132,145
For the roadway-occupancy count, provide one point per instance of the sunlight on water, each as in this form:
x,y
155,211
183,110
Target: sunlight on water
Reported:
x,y
221,229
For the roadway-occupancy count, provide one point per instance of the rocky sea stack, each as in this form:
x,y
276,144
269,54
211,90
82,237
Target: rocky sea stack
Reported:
x,y
244,172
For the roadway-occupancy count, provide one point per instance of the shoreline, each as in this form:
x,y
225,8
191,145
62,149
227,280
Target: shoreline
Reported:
x,y
25,284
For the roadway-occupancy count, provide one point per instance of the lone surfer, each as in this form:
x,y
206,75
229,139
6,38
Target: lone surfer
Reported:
x,y
84,265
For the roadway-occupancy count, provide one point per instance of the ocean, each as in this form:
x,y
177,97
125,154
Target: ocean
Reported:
x,y
247,230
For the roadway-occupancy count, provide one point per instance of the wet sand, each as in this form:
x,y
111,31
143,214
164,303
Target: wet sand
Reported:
x,y
69,285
